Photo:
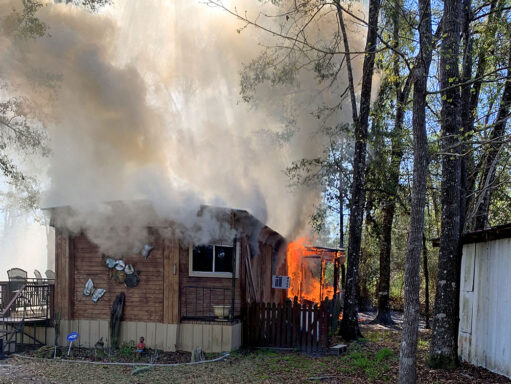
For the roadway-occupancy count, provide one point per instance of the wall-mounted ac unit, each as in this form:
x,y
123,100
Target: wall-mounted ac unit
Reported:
x,y
280,282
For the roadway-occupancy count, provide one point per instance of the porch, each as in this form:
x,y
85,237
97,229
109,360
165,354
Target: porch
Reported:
x,y
26,311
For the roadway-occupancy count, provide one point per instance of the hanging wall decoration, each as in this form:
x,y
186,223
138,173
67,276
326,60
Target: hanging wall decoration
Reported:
x,y
124,273
146,250
111,262
132,280
97,293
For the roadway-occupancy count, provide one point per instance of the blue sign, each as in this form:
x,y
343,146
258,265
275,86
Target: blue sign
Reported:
x,y
72,336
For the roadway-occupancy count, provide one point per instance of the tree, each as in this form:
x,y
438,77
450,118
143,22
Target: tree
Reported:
x,y
443,351
408,353
496,142
349,329
20,131
300,53
392,175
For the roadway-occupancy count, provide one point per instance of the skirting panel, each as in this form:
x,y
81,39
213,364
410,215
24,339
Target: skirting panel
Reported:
x,y
211,337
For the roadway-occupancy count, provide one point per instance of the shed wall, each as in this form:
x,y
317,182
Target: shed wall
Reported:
x,y
484,338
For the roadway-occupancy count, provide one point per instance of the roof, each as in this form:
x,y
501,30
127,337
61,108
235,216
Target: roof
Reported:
x,y
493,233
239,218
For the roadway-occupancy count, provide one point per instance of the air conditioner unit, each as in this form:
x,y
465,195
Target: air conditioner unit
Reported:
x,y
280,282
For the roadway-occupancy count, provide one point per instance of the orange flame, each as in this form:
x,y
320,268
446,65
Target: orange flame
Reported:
x,y
306,273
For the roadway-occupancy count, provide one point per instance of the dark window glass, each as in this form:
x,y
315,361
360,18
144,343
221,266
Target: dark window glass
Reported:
x,y
203,258
223,258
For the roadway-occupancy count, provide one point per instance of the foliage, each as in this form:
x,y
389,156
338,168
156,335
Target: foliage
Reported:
x,y
127,350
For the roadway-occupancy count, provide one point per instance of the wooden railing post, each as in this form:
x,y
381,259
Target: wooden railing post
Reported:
x,y
296,323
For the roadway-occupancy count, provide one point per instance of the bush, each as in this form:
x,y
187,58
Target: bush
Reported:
x,y
127,350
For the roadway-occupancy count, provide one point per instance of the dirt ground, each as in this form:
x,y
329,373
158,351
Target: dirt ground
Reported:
x,y
372,360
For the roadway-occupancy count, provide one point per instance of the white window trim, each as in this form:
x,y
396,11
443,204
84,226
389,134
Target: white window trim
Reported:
x,y
227,275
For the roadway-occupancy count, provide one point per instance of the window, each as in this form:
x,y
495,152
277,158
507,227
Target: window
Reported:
x,y
213,260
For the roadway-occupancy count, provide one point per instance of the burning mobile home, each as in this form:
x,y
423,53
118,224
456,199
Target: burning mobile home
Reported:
x,y
179,293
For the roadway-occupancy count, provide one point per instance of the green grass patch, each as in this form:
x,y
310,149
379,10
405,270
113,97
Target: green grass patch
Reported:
x,y
423,344
373,365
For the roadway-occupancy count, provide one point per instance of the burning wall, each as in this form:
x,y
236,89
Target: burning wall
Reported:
x,y
312,270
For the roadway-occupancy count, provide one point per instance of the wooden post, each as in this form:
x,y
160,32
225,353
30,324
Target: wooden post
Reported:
x,y
171,281
336,275
309,330
321,279
289,325
296,323
257,323
268,324
273,325
303,316
233,285
64,268
315,328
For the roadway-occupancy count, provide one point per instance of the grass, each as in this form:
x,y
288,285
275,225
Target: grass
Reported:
x,y
373,360
371,364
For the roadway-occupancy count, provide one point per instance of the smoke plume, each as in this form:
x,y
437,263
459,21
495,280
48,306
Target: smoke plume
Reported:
x,y
141,103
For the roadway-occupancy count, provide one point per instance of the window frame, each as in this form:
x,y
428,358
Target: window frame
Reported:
x,y
225,275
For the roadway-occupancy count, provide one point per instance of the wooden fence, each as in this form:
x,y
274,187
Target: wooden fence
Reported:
x,y
289,325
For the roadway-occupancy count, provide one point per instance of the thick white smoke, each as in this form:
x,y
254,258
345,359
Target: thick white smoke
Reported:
x,y
141,102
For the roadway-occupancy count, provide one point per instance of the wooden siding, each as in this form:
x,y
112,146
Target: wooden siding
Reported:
x,y
264,266
143,303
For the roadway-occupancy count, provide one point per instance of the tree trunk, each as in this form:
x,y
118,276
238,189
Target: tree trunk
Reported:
x,y
408,353
426,279
383,316
467,130
115,319
443,350
349,329
341,212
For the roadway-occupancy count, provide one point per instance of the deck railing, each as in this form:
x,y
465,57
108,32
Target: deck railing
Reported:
x,y
30,301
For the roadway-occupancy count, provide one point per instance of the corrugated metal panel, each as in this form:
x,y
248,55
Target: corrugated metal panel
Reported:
x,y
485,305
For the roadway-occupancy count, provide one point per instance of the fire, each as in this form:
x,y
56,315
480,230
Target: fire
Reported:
x,y
306,269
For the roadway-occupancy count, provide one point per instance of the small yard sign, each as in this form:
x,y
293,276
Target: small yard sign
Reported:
x,y
280,282
71,337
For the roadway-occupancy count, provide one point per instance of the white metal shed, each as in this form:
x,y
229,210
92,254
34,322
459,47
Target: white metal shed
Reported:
x,y
484,337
